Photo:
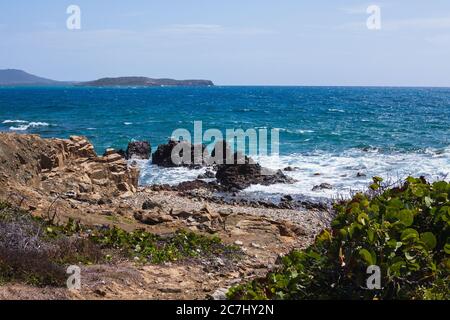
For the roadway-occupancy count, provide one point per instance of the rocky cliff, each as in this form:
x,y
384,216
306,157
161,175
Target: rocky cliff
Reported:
x,y
64,167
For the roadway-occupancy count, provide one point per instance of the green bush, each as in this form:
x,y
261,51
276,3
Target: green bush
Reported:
x,y
404,230
147,247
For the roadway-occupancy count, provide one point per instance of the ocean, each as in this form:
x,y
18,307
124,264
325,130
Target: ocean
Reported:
x,y
337,135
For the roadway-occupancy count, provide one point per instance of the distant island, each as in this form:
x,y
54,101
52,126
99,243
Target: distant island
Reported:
x,y
15,77
143,82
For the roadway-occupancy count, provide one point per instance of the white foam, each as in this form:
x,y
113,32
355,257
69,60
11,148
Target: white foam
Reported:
x,y
14,121
24,127
341,170
151,174
128,123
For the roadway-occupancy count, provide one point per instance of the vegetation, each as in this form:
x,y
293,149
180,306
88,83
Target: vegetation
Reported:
x,y
37,251
147,247
28,252
403,230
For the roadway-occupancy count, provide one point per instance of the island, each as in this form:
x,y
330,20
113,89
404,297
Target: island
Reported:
x,y
15,77
144,82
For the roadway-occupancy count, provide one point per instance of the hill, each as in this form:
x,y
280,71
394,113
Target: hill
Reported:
x,y
144,82
11,77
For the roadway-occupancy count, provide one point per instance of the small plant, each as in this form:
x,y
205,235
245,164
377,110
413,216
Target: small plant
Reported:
x,y
146,247
37,251
404,230
32,252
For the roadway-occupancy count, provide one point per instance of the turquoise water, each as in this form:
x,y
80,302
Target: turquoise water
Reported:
x,y
334,131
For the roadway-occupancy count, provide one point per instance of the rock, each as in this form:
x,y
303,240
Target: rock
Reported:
x,y
109,151
152,217
150,205
289,169
221,154
192,185
226,212
113,157
82,147
185,215
170,290
219,294
123,186
322,186
196,155
207,175
241,176
360,174
238,243
138,150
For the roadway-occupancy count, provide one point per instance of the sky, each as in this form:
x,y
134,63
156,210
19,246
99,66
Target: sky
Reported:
x,y
232,42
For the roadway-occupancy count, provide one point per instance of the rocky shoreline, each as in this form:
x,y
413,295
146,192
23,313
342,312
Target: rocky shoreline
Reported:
x,y
65,178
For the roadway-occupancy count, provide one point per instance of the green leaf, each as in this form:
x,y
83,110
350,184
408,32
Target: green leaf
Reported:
x,y
447,248
406,217
362,218
409,234
429,239
366,256
374,186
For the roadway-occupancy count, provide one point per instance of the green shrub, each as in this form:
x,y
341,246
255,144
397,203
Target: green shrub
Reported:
x,y
147,247
403,230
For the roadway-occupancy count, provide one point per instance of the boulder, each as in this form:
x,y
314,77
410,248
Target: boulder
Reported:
x,y
207,175
152,217
223,154
150,205
322,186
163,155
111,151
241,176
138,150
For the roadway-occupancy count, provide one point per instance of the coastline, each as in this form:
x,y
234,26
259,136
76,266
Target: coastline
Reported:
x,y
65,175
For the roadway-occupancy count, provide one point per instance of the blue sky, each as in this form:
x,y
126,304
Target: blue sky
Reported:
x,y
260,42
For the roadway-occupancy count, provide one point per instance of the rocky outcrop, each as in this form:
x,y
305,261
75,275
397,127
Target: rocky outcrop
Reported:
x,y
322,186
240,176
63,166
173,154
139,150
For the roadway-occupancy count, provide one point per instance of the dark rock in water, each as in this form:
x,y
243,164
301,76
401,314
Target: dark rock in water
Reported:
x,y
360,174
223,154
194,159
241,176
192,185
139,150
289,169
322,186
287,198
207,175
